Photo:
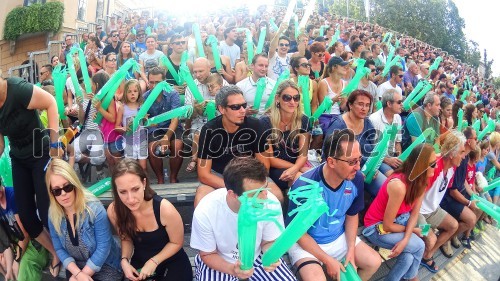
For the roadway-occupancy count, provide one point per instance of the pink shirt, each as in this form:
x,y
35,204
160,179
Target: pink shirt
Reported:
x,y
376,210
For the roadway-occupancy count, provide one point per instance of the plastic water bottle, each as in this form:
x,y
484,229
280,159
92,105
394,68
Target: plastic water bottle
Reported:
x,y
165,174
316,131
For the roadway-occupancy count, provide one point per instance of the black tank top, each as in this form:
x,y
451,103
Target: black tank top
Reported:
x,y
168,77
311,72
148,244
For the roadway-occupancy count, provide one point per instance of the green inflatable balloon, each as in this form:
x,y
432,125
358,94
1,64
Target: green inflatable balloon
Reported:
x,y
493,184
100,187
197,37
378,153
420,95
434,65
261,87
335,37
303,81
418,141
416,90
464,95
214,43
361,71
285,75
162,86
273,24
350,274
388,66
6,165
487,207
252,211
325,105
186,76
425,229
309,208
262,39
183,111
210,110
460,119
59,76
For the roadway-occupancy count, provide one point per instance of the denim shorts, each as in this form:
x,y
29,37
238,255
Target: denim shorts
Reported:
x,y
116,147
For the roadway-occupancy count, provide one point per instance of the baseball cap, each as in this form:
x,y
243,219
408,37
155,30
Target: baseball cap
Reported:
x,y
336,61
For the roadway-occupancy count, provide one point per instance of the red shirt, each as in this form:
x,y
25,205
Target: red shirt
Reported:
x,y
376,210
471,174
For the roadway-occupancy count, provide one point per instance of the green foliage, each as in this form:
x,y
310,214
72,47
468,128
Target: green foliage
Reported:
x,y
35,18
487,65
496,83
472,55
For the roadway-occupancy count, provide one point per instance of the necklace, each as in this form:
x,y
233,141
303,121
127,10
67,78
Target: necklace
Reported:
x,y
286,125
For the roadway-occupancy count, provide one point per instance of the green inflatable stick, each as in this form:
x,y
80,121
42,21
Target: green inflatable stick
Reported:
x,y
197,37
289,11
485,118
6,165
165,61
488,129
386,36
183,111
148,31
74,78
250,45
83,66
212,40
350,274
420,95
303,81
487,207
425,229
435,65
460,119
478,102
377,156
309,208
186,76
465,95
252,210
455,90
378,105
390,64
416,90
210,110
261,87
133,31
322,29
297,28
492,185
273,24
162,86
285,75
307,14
325,105
491,173
477,126
397,43
418,141
59,75
361,71
335,37
100,187
262,40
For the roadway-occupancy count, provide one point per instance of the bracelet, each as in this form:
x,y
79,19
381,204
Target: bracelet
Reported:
x,y
78,273
468,205
56,144
125,258
154,261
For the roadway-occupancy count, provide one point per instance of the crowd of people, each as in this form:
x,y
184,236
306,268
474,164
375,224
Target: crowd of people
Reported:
x,y
262,141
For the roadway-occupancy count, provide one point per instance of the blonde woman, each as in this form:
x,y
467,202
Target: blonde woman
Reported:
x,y
79,227
288,132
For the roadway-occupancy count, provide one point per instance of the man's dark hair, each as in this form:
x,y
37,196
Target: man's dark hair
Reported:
x,y
157,70
283,37
394,70
369,62
227,30
257,56
48,67
225,92
374,45
241,168
333,143
468,132
309,27
355,45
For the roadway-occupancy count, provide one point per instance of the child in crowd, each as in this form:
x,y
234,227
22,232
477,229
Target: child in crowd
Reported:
x,y
135,142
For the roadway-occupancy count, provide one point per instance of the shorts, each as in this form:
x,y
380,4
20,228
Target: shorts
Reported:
x,y
434,219
136,150
159,133
116,147
336,249
453,207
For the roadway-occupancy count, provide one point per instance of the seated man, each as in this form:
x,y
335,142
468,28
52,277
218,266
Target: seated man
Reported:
x,y
230,135
452,152
425,116
215,228
333,236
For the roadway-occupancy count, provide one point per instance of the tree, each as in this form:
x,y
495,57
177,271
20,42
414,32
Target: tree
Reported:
x,y
472,55
496,83
487,66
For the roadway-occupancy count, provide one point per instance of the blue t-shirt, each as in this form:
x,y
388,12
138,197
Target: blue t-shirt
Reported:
x,y
347,199
11,208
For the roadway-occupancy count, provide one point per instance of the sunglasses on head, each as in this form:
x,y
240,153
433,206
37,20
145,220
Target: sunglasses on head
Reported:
x,y
305,64
179,43
237,106
284,44
287,98
67,189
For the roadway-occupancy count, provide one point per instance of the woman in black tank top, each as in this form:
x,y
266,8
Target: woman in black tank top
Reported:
x,y
150,228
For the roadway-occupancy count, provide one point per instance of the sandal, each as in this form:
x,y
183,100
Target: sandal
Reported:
x,y
446,250
54,270
431,267
191,167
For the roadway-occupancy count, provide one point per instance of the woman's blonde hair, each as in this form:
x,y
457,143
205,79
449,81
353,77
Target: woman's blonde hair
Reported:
x,y
275,116
494,139
82,196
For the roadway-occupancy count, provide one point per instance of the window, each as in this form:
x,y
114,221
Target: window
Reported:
x,y
29,2
82,5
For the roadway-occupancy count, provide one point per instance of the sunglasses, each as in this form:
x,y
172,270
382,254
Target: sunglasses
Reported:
x,y
179,43
141,35
320,55
398,101
401,76
284,45
287,98
305,64
67,189
373,70
112,60
114,35
351,162
237,106
433,164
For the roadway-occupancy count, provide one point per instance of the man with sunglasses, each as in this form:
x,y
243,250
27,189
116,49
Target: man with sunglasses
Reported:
x,y
452,153
114,47
366,82
140,42
229,135
279,60
333,236
396,74
215,227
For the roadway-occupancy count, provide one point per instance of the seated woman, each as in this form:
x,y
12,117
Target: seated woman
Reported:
x,y
79,227
391,220
150,228
355,119
288,133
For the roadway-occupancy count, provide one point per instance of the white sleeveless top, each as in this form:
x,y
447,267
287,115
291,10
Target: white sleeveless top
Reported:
x,y
331,94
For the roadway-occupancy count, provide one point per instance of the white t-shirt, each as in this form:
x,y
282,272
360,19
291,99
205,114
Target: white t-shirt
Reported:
x,y
379,122
150,61
384,87
233,52
249,89
215,227
436,192
277,65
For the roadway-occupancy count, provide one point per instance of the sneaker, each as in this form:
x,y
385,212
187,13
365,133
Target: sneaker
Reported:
x,y
466,243
100,175
473,234
446,250
455,242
